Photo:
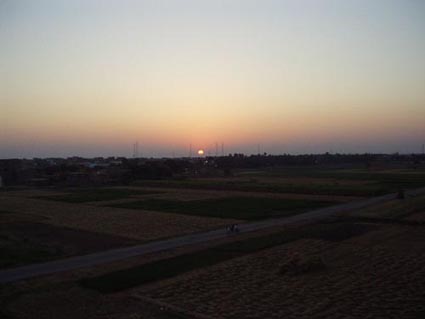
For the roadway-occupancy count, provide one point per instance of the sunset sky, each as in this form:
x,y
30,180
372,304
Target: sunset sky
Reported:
x,y
90,78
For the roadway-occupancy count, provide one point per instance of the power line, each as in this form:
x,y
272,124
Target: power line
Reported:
x,y
136,150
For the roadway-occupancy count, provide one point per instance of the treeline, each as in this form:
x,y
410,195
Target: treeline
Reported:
x,y
366,160
105,171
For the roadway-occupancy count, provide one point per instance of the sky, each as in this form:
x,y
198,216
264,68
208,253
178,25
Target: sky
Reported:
x,y
92,77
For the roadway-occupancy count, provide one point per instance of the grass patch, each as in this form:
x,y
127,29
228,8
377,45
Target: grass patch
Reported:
x,y
372,189
387,180
16,252
124,279
24,243
97,194
21,254
167,268
246,208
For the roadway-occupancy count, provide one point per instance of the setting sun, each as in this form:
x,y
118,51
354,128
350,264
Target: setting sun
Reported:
x,y
200,152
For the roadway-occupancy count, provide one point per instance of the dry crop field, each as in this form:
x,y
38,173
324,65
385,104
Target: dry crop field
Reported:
x,y
380,274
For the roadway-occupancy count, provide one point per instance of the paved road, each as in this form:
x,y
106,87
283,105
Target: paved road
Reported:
x,y
30,271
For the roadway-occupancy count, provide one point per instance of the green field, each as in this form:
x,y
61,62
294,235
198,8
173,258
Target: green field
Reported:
x,y
246,208
99,194
346,182
274,187
16,250
23,243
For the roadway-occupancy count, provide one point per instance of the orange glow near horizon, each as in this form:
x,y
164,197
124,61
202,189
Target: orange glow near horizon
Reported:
x,y
200,152
286,76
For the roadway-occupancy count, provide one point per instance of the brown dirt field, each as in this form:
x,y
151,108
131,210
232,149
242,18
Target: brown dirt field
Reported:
x,y
380,275
135,224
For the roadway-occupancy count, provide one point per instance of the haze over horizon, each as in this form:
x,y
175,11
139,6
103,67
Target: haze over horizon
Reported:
x,y
90,78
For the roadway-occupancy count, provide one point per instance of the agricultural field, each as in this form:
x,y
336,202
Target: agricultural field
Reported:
x,y
279,272
30,242
306,180
343,266
97,195
38,226
377,274
155,271
128,215
243,208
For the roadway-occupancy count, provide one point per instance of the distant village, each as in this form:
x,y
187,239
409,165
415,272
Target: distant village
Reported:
x,y
78,171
